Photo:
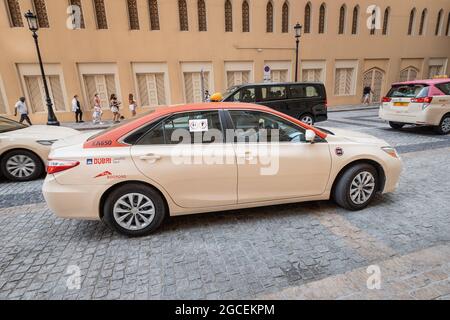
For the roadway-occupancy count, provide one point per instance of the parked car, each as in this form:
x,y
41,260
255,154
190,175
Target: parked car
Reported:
x,y
304,101
24,150
134,175
420,102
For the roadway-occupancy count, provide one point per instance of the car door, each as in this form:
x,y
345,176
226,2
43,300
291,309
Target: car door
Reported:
x,y
273,96
187,156
274,161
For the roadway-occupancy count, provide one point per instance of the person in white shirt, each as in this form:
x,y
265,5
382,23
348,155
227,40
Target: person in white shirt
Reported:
x,y
21,108
76,107
132,104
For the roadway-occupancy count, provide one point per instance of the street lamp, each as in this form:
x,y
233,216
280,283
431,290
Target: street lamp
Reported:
x,y
298,34
34,27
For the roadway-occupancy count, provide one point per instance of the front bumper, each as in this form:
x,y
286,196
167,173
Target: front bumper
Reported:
x,y
393,170
72,201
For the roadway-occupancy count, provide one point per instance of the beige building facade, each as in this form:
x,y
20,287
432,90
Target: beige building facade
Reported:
x,y
159,50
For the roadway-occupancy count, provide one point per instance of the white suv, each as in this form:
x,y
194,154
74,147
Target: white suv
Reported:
x,y
420,102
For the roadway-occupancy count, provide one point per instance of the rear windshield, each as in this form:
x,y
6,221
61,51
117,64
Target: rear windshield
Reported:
x,y
408,91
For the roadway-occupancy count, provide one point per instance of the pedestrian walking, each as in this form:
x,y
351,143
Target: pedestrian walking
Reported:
x,y
97,115
132,104
22,109
76,108
367,91
114,106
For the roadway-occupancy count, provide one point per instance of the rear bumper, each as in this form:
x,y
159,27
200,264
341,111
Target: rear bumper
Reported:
x,y
72,201
419,118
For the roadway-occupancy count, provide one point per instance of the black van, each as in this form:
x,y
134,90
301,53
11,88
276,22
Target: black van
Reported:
x,y
306,101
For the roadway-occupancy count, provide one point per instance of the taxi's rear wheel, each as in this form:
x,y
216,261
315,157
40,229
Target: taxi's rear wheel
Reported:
x,y
21,165
396,125
134,210
444,125
356,187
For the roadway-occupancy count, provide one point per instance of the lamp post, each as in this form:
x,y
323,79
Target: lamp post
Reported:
x,y
34,27
298,34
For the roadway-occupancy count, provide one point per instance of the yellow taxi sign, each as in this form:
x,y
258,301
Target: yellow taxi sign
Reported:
x,y
441,76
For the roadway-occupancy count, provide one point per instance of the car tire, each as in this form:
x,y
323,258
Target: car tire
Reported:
x,y
347,190
444,126
21,166
307,118
396,125
144,216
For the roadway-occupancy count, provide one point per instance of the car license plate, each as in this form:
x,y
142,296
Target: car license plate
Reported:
x,y
401,104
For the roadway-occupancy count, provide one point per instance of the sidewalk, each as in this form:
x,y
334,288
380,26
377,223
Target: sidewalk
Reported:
x,y
88,125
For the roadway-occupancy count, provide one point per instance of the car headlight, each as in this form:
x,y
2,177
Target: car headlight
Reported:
x,y
390,151
46,142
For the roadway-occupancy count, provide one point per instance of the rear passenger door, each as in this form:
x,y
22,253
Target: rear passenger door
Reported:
x,y
187,156
274,96
305,98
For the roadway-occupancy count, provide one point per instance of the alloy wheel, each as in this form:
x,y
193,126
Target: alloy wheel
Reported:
x,y
308,120
20,166
362,187
445,126
134,211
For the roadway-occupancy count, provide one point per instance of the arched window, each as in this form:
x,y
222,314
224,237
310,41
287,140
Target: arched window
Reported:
x,y
285,18
201,8
438,30
183,13
245,17
322,13
447,33
355,20
423,19
81,20
154,14
41,13
133,15
342,13
228,16
15,17
387,13
412,18
408,74
307,22
100,14
269,17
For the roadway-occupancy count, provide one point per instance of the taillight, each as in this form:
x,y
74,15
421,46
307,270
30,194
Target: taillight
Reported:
x,y
387,99
422,100
55,166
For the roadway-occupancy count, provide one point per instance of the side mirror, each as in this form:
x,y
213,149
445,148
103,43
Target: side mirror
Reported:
x,y
310,136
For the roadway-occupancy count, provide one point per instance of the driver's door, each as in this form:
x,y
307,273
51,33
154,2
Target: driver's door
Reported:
x,y
274,168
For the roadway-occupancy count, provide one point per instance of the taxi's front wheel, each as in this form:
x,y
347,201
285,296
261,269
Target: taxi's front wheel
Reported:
x,y
134,210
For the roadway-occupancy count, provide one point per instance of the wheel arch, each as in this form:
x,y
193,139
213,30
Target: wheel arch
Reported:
x,y
106,194
380,172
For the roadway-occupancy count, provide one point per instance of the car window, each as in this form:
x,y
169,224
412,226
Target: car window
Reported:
x,y
248,95
303,91
273,93
189,127
254,126
408,91
7,125
444,87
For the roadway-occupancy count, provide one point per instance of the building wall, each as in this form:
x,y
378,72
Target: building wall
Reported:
x,y
167,62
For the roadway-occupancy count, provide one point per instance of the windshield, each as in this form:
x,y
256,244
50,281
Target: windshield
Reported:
x,y
229,91
408,91
7,125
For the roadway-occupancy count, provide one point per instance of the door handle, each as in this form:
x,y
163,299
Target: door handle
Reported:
x,y
150,157
248,155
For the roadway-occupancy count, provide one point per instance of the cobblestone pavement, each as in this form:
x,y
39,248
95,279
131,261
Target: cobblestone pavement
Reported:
x,y
309,250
